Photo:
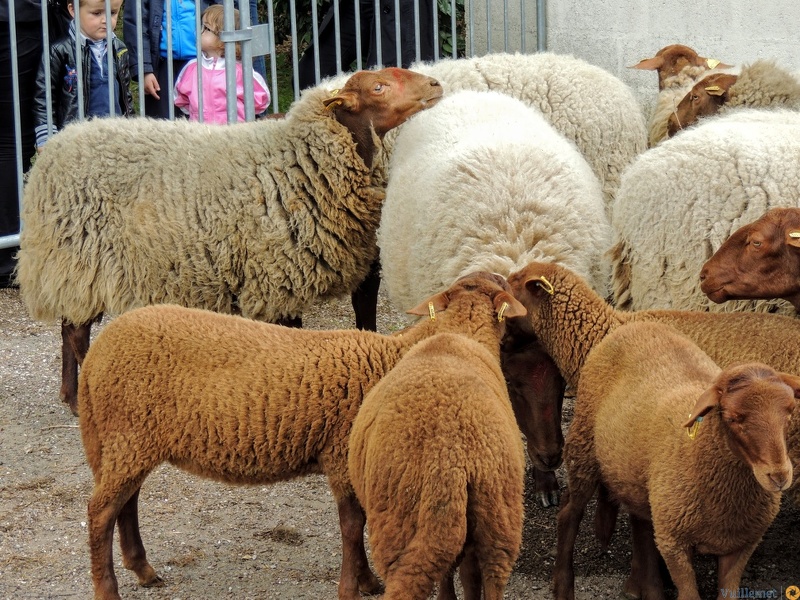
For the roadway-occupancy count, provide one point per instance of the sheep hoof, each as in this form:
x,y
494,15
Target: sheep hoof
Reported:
x,y
154,581
549,499
370,586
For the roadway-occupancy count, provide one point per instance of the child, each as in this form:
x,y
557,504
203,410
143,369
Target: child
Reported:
x,y
214,83
93,54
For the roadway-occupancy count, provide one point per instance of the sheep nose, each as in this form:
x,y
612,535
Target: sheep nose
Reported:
x,y
703,274
780,479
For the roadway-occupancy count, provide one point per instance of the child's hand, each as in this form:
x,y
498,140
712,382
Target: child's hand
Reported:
x,y
151,85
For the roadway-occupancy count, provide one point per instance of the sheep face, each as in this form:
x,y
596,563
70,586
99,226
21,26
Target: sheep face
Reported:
x,y
672,59
384,98
759,260
704,99
754,403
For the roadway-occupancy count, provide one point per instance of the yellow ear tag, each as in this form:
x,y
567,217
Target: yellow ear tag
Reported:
x,y
713,88
333,105
794,234
692,431
431,311
500,312
712,63
546,285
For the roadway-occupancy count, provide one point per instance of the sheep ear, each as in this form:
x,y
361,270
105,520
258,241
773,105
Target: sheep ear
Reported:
x,y
435,303
345,99
506,306
540,282
793,238
708,400
649,64
793,381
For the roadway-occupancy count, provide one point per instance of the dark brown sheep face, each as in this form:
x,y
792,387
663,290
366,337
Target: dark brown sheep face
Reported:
x,y
704,99
759,260
672,59
755,403
384,99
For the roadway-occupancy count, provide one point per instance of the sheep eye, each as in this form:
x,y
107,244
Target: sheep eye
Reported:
x,y
378,87
756,244
695,97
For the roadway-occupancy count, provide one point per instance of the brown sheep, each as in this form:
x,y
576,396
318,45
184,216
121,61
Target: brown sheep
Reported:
x,y
760,85
437,463
569,318
760,260
239,401
715,490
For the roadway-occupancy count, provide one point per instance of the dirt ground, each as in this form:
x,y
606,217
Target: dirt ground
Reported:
x,y
209,540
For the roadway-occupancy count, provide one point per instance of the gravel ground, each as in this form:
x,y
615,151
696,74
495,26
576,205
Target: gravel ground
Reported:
x,y
210,540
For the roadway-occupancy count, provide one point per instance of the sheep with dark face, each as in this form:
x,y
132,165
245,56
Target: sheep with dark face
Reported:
x,y
284,214
715,490
759,260
238,401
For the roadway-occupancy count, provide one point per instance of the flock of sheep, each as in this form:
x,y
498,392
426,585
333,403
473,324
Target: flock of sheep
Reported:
x,y
543,234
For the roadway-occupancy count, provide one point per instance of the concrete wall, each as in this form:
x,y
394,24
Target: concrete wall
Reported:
x,y
615,34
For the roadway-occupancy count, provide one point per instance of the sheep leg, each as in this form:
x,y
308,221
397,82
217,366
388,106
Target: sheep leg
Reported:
x,y
447,588
546,486
103,510
679,563
605,517
569,518
134,556
731,566
365,299
644,581
74,346
356,574
469,572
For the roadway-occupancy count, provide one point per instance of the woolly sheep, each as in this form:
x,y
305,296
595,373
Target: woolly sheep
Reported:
x,y
715,490
491,189
760,85
437,463
679,201
679,68
239,401
259,218
569,318
758,260
586,104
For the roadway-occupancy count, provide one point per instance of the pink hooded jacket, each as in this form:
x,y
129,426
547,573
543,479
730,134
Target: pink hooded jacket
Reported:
x,y
215,108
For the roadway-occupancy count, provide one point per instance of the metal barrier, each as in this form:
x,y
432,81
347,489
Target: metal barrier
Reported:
x,y
480,24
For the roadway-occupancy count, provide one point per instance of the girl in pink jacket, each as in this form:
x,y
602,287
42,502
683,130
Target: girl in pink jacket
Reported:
x,y
215,107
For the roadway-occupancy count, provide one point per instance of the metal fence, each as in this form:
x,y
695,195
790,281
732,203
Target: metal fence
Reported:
x,y
477,28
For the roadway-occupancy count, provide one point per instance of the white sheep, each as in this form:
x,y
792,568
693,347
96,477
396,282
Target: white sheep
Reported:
x,y
482,182
239,401
681,200
643,388
261,219
487,184
585,103
437,463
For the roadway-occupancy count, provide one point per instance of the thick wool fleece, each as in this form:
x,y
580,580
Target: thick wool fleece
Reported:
x,y
637,387
574,319
260,218
681,200
482,182
436,458
763,84
586,104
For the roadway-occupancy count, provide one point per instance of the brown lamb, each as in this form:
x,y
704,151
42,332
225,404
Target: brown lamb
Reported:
x,y
438,465
711,482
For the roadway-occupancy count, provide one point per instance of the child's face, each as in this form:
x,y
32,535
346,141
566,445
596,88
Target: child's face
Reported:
x,y
93,17
209,41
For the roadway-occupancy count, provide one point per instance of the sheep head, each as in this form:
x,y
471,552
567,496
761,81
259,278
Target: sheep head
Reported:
x,y
754,403
672,59
383,99
760,260
493,286
704,99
